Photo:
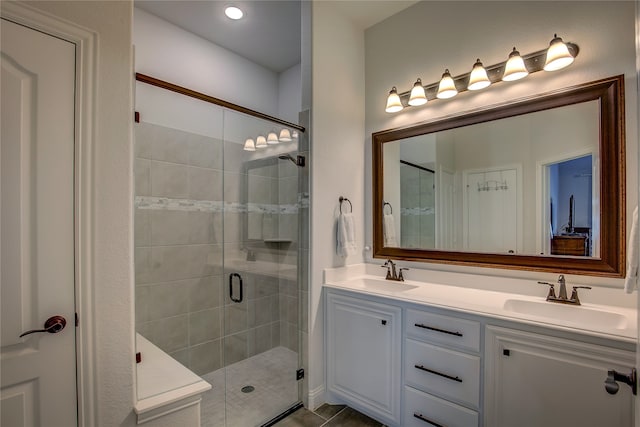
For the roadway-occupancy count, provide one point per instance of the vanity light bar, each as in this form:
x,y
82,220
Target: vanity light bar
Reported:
x,y
533,62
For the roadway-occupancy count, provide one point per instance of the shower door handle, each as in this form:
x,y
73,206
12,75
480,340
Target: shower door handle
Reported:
x,y
231,293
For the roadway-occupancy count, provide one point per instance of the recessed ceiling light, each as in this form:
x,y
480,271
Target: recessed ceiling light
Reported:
x,y
234,13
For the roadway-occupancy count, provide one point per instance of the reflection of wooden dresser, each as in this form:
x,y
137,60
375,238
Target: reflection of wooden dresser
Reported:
x,y
576,245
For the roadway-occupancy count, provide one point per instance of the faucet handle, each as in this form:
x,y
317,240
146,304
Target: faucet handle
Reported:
x,y
400,276
388,267
574,293
552,290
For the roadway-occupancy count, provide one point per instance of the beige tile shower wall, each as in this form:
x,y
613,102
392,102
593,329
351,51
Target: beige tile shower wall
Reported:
x,y
178,239
190,215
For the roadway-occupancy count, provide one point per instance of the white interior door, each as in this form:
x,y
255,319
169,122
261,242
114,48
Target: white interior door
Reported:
x,y
38,375
491,216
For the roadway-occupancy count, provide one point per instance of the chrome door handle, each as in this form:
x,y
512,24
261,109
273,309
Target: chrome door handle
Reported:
x,y
53,325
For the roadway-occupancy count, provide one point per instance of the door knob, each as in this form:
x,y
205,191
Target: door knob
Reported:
x,y
53,325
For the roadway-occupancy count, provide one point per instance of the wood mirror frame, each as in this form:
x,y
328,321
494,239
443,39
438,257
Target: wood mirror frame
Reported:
x,y
610,94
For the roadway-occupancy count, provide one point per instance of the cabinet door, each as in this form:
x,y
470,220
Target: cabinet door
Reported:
x,y
536,380
363,355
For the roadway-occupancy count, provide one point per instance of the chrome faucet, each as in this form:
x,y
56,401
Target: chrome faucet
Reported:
x,y
391,271
562,293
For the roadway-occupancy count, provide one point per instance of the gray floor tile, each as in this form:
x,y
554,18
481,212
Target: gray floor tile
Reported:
x,y
327,411
301,418
352,418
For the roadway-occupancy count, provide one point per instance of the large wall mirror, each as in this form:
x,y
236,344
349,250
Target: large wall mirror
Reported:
x,y
538,184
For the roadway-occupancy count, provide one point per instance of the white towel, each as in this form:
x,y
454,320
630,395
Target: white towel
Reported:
x,y
389,226
346,238
631,281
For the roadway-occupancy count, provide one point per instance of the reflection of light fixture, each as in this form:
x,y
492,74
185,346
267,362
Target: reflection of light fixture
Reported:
x,y
417,97
515,68
272,138
294,135
558,55
285,135
393,101
249,145
234,13
478,78
261,142
446,87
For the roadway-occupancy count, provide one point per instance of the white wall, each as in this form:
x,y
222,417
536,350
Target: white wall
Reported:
x,y
453,34
337,157
111,247
290,94
170,53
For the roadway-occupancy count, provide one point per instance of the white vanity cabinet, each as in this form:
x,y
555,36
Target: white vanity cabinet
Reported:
x,y
363,355
537,380
441,370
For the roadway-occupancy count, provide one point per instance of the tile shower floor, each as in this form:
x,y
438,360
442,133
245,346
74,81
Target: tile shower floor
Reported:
x,y
273,376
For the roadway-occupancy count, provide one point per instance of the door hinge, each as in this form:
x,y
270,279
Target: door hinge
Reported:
x,y
77,320
299,374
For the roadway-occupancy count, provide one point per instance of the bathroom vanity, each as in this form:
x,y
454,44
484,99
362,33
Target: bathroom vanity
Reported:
x,y
416,353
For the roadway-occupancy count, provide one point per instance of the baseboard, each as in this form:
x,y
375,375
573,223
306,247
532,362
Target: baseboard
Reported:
x,y
316,398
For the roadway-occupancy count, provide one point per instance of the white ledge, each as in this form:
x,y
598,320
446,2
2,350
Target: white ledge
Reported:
x,y
164,385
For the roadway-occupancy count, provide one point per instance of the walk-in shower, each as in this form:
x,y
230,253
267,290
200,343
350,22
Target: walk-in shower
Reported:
x,y
221,240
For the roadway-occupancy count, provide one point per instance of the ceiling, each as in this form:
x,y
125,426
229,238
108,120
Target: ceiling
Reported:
x,y
270,32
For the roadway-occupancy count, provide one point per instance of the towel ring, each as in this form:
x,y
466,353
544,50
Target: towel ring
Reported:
x,y
387,204
344,199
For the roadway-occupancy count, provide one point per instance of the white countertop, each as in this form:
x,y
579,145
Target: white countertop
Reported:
x,y
619,315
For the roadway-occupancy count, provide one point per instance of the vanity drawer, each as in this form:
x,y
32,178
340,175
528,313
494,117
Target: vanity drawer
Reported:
x,y
443,372
450,331
424,410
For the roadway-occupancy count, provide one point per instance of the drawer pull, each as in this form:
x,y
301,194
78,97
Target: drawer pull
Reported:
x,y
444,331
426,420
449,377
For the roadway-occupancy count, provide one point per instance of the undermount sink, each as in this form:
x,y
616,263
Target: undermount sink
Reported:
x,y
381,285
578,315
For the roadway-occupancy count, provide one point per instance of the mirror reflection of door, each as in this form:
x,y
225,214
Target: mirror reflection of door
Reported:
x,y
491,214
570,207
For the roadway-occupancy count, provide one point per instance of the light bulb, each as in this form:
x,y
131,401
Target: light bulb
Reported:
x,y
478,78
234,13
558,55
417,97
447,87
261,142
272,138
393,102
285,135
515,68
249,145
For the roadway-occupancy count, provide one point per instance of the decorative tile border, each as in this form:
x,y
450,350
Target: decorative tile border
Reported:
x,y
165,203
417,211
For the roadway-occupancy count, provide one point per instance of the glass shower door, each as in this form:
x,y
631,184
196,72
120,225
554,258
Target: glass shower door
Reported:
x,y
217,265
260,256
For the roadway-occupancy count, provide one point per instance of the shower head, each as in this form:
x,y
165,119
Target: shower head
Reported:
x,y
298,161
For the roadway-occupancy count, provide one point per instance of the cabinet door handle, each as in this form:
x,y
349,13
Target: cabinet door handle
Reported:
x,y
444,331
427,420
431,371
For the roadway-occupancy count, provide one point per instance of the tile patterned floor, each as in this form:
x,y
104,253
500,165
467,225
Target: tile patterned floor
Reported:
x,y
272,374
328,416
